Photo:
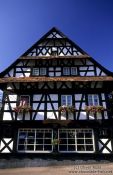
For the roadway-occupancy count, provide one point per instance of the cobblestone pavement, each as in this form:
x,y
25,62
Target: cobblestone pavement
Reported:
x,y
89,169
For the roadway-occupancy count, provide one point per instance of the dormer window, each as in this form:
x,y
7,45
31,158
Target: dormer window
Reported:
x,y
66,71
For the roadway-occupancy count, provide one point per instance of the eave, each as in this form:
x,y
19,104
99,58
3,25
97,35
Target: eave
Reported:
x,y
55,79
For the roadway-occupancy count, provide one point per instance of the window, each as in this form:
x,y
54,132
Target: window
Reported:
x,y
35,71
66,71
66,100
73,71
24,100
76,140
93,99
42,71
35,140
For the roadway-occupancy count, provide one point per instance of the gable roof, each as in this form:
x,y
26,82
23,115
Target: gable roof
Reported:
x,y
55,32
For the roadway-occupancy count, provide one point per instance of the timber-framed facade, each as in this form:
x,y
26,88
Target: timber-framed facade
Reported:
x,y
56,99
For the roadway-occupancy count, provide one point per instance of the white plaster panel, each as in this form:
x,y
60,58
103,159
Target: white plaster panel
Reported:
x,y
51,69
99,116
89,62
78,97
103,74
105,115
104,104
27,116
50,115
71,116
77,106
7,116
13,97
82,116
91,68
54,97
27,74
19,75
37,97
57,74
11,72
36,104
108,145
39,116
90,73
103,96
82,73
58,68
98,71
82,68
51,74
49,106
5,150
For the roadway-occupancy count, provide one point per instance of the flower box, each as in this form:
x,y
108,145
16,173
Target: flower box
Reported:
x,y
22,109
94,109
66,109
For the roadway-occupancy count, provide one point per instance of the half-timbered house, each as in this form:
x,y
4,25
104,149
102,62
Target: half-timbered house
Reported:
x,y
56,99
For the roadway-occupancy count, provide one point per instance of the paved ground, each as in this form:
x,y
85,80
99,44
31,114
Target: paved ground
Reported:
x,y
89,169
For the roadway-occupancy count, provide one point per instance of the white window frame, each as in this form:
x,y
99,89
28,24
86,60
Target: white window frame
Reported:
x,y
66,99
66,70
92,98
73,71
34,143
35,72
43,71
73,129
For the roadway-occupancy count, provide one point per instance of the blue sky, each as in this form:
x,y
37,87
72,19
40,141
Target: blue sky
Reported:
x,y
89,23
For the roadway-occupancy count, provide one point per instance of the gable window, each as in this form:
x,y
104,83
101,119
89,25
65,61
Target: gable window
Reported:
x,y
35,71
93,100
66,100
42,71
24,100
73,71
66,71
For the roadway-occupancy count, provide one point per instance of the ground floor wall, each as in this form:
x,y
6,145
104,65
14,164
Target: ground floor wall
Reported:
x,y
54,138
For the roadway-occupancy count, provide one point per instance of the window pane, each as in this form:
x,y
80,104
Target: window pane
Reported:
x,y
69,100
35,140
35,71
80,140
42,71
90,100
63,100
73,71
66,71
96,100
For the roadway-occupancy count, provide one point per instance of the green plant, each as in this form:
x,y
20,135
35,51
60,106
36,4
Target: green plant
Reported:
x,y
55,141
